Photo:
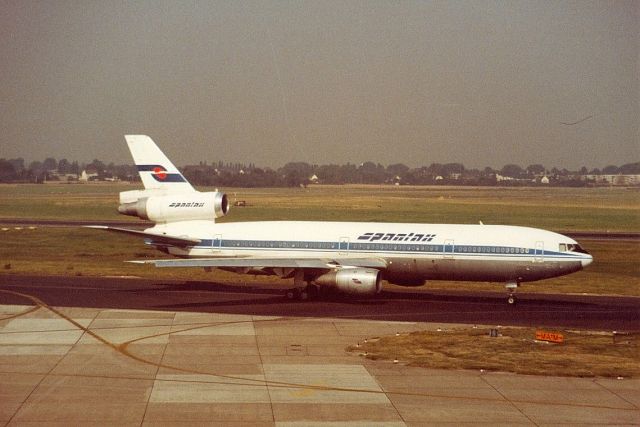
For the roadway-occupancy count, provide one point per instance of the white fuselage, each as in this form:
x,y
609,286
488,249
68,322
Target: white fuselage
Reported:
x,y
413,252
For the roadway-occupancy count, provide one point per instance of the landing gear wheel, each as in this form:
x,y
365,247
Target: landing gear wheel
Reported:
x,y
313,291
297,294
291,294
511,288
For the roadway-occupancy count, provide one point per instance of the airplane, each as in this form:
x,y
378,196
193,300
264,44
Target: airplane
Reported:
x,y
350,257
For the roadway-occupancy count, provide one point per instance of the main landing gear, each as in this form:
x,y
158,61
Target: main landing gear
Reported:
x,y
303,290
511,288
303,294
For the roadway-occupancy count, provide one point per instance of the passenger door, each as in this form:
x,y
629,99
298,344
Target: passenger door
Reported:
x,y
343,246
216,243
448,248
539,252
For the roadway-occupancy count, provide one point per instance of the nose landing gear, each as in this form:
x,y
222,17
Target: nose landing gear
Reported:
x,y
511,288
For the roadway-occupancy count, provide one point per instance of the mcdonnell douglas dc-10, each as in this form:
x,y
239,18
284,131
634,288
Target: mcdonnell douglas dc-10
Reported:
x,y
351,257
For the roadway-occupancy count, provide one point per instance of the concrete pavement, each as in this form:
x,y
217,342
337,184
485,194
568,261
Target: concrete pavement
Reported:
x,y
132,367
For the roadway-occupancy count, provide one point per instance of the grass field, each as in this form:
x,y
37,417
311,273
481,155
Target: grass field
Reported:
x,y
582,354
582,209
78,251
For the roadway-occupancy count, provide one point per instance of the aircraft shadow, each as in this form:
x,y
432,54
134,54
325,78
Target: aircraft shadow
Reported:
x,y
452,296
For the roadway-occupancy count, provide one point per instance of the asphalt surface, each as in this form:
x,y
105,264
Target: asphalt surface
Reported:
x,y
536,310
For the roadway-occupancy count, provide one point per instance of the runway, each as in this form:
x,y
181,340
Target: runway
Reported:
x,y
410,305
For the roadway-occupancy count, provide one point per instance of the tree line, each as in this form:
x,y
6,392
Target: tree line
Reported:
x,y
295,174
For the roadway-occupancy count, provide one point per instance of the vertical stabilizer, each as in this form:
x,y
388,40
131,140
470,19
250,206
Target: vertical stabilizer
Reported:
x,y
155,169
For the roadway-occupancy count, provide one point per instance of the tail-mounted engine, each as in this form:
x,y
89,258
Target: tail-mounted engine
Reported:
x,y
356,281
164,208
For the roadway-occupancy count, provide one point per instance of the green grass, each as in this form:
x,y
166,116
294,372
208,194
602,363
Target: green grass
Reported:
x,y
61,201
552,208
583,209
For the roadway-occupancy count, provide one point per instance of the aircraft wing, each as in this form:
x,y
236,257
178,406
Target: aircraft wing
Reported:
x,y
151,237
259,262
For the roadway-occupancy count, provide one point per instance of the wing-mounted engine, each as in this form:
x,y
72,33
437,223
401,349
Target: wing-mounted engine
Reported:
x,y
163,208
355,281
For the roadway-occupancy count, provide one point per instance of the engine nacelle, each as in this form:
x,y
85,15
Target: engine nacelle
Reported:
x,y
355,281
175,207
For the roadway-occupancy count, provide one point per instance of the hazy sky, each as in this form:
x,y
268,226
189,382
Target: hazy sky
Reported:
x,y
483,83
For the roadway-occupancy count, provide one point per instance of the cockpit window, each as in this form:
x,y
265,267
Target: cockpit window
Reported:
x,y
573,247
563,247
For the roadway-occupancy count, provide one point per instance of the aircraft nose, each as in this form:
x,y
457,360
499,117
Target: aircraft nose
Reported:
x,y
586,260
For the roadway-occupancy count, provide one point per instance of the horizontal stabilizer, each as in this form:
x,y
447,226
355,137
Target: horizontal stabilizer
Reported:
x,y
327,263
153,238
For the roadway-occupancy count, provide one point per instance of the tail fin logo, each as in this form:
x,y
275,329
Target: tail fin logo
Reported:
x,y
159,173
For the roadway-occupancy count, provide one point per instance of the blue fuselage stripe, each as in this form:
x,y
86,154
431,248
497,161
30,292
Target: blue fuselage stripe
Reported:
x,y
384,248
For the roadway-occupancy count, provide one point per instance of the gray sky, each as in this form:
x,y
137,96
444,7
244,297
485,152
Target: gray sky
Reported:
x,y
483,83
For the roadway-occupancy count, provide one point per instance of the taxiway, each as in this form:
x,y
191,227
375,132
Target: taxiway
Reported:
x,y
409,305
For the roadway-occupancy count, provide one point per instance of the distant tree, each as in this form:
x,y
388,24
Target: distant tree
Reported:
x,y
436,169
97,166
488,171
221,174
449,169
472,172
74,168
36,167
269,178
332,174
371,173
420,176
49,164
295,178
7,171
536,169
630,169
18,165
513,171
36,172
398,169
611,170
63,166
488,179
300,168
